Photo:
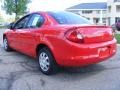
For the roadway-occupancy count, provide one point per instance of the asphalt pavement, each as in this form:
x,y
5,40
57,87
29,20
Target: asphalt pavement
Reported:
x,y
20,72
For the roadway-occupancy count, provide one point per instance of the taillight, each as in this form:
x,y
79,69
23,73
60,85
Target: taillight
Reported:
x,y
74,36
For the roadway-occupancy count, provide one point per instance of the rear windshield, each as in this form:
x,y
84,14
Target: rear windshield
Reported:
x,y
68,18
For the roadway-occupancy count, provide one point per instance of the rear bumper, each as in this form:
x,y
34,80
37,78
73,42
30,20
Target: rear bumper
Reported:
x,y
84,61
76,55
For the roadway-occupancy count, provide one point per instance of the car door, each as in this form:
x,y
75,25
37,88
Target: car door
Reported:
x,y
28,34
19,29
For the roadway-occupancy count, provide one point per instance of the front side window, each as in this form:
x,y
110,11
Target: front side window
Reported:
x,y
22,22
68,18
36,21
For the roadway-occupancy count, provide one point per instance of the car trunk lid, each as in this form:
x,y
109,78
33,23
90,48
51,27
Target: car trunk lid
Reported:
x,y
95,34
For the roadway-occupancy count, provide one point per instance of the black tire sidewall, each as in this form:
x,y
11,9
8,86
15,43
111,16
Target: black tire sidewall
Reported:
x,y
52,67
8,47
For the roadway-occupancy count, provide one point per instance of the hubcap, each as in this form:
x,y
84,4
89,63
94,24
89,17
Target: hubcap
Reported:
x,y
5,43
44,61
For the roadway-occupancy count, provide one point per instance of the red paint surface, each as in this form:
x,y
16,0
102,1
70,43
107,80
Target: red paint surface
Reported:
x,y
98,42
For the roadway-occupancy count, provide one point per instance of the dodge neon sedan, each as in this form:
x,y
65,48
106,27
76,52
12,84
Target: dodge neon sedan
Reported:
x,y
60,39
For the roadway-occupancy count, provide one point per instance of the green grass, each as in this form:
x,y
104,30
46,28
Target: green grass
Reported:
x,y
2,27
118,38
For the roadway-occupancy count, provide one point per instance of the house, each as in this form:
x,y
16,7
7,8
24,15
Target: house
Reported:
x,y
113,15
95,12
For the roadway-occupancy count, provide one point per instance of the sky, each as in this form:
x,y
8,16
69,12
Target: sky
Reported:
x,y
48,5
38,5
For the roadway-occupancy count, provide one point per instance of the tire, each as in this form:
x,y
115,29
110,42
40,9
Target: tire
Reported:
x,y
47,62
6,44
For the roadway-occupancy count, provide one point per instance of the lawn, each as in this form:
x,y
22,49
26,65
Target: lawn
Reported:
x,y
1,27
118,38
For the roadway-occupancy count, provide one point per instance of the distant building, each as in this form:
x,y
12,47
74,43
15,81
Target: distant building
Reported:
x,y
95,12
113,11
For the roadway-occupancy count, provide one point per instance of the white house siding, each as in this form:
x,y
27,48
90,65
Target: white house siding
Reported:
x,y
96,15
110,14
114,12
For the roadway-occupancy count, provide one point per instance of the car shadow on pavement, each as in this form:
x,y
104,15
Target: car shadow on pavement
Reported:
x,y
32,66
84,69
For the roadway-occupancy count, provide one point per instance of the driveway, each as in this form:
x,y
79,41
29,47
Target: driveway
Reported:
x,y
20,72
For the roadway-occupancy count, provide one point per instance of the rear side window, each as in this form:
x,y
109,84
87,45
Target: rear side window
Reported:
x,y
68,18
36,21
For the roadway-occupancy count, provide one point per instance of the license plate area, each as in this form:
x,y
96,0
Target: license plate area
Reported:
x,y
104,51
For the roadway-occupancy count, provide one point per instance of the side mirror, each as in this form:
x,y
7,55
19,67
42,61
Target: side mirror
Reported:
x,y
11,25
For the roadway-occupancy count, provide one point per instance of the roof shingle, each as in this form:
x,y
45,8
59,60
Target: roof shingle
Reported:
x,y
98,5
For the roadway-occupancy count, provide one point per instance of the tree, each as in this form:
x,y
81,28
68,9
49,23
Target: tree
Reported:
x,y
19,7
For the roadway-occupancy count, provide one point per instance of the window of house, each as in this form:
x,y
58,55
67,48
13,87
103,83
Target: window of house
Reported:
x,y
109,20
104,11
96,20
109,9
104,20
117,19
87,11
88,18
98,11
116,0
117,8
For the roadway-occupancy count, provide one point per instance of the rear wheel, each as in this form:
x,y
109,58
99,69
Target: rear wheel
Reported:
x,y
6,44
46,61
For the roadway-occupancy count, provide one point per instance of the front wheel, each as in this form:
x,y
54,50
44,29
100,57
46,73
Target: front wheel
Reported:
x,y
46,61
6,44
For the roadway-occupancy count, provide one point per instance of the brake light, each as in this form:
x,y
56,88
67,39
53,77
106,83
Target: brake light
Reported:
x,y
74,36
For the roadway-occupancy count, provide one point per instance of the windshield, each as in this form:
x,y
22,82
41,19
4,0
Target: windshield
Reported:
x,y
68,18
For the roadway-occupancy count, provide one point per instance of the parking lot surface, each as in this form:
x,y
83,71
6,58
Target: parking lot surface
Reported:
x,y
20,72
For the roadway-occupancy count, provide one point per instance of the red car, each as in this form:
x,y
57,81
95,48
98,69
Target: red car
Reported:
x,y
60,39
